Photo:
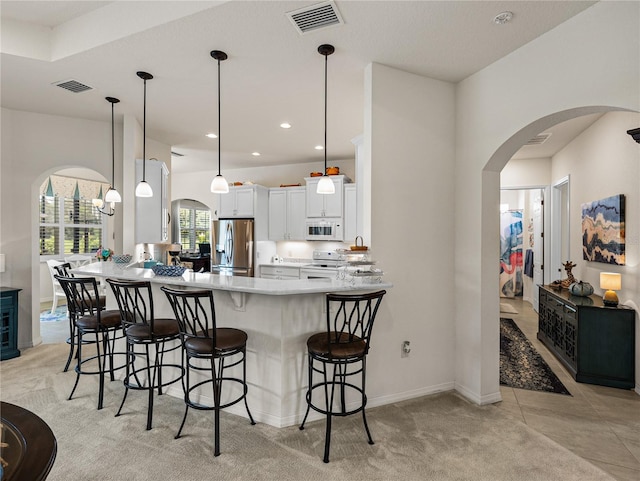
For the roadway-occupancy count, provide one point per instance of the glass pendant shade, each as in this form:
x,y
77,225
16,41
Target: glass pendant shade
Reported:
x,y
112,196
326,185
219,185
144,189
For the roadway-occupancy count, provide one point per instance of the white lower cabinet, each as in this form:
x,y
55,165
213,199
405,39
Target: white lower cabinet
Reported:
x,y
287,213
279,272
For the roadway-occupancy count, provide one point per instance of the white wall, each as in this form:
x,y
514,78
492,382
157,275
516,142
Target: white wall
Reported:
x,y
589,64
410,143
525,173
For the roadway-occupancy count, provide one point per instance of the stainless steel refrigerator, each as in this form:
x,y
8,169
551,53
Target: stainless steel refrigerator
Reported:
x,y
233,247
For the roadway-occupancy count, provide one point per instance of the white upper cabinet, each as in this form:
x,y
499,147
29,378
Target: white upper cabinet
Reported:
x,y
324,205
238,202
287,213
152,213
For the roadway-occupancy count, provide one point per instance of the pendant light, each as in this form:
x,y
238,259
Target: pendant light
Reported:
x,y
325,184
219,184
112,197
143,189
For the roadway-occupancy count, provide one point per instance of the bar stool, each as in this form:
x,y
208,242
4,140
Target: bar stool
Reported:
x,y
64,270
88,317
203,344
343,347
143,333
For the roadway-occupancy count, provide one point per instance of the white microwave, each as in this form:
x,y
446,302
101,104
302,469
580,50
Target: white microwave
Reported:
x,y
325,229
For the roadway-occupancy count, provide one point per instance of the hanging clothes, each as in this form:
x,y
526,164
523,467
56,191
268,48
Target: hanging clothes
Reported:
x,y
528,263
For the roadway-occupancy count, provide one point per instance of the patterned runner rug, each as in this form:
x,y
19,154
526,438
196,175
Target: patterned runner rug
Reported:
x,y
521,366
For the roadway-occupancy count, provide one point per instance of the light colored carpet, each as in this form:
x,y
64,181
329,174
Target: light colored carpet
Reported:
x,y
506,308
438,437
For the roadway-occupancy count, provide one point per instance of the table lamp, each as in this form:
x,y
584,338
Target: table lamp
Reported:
x,y
610,282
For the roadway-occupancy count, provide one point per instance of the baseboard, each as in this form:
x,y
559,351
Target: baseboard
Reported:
x,y
480,400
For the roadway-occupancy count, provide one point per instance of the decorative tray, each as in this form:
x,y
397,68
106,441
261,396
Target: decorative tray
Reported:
x,y
169,271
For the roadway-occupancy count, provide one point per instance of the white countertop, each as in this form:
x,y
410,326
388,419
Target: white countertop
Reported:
x,y
205,280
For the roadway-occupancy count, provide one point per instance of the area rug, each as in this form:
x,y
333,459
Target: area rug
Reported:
x,y
507,309
521,366
60,314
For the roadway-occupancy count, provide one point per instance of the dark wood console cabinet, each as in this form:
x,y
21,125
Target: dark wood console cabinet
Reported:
x,y
595,343
9,323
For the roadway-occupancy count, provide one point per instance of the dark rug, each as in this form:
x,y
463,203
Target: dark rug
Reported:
x,y
521,366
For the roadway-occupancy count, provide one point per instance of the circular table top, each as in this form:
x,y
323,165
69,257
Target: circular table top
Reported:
x,y
28,445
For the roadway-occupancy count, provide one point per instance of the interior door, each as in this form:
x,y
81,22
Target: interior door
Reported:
x,y
538,245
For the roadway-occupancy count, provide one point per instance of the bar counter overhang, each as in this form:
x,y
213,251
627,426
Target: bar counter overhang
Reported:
x,y
278,316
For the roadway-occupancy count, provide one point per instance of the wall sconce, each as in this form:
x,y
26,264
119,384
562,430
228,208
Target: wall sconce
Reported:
x,y
611,282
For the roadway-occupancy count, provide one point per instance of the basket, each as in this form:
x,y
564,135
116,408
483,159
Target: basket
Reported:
x,y
122,259
359,247
168,271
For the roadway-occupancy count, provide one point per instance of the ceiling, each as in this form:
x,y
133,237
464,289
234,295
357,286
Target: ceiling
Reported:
x,y
273,73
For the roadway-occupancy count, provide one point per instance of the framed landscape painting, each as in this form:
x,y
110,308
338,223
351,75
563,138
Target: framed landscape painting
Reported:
x,y
603,230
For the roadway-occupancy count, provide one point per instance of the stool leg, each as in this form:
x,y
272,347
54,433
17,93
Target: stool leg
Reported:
x,y
186,385
329,406
78,361
129,364
364,400
151,388
101,366
246,389
72,342
216,404
308,396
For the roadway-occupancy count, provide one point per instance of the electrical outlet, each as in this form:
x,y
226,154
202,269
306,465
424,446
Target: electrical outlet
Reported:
x,y
406,349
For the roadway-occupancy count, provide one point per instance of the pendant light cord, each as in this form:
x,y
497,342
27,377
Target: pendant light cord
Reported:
x,y
219,127
113,150
325,114
144,133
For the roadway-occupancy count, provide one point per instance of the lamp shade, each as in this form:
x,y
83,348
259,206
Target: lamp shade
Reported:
x,y
112,196
326,185
610,281
144,189
219,185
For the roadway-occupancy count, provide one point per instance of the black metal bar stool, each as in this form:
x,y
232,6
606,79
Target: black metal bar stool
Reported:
x,y
90,318
64,270
206,347
343,347
147,339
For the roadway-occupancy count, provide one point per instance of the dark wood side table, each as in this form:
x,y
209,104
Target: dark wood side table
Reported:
x,y
199,262
9,323
594,342
31,447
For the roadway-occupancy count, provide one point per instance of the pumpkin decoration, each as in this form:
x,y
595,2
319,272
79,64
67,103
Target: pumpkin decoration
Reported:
x,y
580,288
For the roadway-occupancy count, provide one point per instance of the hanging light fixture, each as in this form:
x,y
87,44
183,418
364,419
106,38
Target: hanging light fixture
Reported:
x,y
325,184
112,196
143,189
219,184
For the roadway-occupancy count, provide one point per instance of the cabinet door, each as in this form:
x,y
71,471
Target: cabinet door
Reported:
x,y
315,201
244,202
278,215
296,212
226,204
350,212
333,202
152,212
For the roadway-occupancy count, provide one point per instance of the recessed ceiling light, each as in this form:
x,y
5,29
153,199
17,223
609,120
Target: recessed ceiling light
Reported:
x,y
503,18
319,147
285,125
211,135
256,154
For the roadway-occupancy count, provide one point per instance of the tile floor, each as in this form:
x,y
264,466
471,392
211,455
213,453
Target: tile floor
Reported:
x,y
599,424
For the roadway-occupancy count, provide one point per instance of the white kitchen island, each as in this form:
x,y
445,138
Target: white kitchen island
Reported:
x,y
278,317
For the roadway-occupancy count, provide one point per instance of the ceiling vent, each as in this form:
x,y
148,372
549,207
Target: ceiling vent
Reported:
x,y
539,139
316,16
73,86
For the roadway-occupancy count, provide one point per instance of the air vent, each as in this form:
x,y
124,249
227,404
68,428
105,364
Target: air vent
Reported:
x,y
176,154
539,139
316,16
73,86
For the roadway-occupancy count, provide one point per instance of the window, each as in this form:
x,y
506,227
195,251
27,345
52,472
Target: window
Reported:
x,y
69,225
195,226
